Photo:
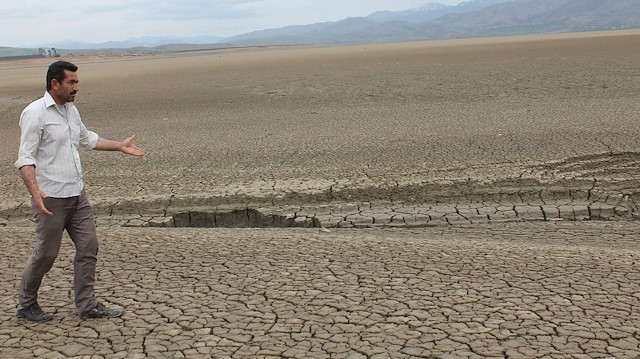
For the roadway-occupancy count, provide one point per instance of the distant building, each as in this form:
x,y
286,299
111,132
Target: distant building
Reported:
x,y
48,52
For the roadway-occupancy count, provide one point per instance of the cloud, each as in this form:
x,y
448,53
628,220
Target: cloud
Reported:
x,y
43,21
183,10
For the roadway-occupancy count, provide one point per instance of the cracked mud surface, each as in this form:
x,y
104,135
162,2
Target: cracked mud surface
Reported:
x,y
527,290
507,168
482,121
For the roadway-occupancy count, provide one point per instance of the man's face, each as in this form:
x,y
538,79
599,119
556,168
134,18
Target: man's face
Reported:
x,y
66,90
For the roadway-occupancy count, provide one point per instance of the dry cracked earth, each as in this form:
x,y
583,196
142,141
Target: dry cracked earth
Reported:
x,y
532,290
450,199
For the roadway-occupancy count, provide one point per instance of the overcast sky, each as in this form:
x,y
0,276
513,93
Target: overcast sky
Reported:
x,y
36,22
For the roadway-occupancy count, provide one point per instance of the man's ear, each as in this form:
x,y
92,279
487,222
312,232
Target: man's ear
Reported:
x,y
54,84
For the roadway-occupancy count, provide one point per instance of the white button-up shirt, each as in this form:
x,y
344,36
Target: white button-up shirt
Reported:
x,y
49,141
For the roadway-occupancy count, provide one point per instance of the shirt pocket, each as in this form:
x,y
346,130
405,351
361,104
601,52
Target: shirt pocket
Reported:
x,y
54,132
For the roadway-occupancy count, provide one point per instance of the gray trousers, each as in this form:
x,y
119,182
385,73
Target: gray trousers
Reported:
x,y
76,216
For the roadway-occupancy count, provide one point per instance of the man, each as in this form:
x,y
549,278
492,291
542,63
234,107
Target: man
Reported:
x,y
49,163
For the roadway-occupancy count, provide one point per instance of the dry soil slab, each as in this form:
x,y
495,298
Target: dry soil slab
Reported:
x,y
520,290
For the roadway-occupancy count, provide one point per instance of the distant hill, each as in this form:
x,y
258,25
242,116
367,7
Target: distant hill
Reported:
x,y
349,31
432,11
544,16
476,18
147,42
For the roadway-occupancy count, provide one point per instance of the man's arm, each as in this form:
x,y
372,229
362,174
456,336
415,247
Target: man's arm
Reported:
x,y
125,146
32,127
28,174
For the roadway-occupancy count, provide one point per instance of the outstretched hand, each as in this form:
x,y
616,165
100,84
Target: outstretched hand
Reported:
x,y
129,148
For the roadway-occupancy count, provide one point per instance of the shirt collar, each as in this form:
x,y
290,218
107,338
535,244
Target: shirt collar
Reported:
x,y
49,101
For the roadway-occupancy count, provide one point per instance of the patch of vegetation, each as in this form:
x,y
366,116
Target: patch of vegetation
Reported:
x,y
517,30
15,51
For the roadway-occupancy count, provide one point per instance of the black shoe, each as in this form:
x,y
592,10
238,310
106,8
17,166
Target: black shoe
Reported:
x,y
34,313
100,311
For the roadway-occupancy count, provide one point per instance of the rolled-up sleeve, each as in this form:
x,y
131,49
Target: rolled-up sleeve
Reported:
x,y
32,126
88,139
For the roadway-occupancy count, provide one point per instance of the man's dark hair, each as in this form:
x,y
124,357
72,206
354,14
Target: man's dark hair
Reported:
x,y
56,71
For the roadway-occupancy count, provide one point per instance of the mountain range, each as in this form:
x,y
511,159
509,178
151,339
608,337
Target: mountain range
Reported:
x,y
474,18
